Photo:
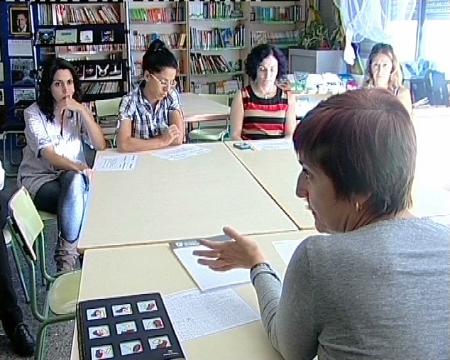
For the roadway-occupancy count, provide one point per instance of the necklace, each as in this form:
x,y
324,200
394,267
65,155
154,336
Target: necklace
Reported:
x,y
266,94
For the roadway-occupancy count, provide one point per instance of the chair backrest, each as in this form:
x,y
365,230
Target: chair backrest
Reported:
x,y
219,98
107,107
26,218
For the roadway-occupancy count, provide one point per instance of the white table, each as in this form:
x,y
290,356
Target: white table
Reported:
x,y
154,268
167,200
197,109
277,171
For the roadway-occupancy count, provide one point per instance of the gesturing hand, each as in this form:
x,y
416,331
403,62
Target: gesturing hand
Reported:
x,y
68,103
239,252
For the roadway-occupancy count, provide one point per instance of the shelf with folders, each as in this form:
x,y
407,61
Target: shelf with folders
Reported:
x,y
158,20
91,35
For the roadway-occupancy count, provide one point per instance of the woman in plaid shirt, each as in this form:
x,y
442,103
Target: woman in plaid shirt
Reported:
x,y
150,116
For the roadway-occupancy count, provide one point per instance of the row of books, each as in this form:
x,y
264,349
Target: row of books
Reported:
x,y
288,37
174,13
213,64
59,14
140,41
217,37
217,87
107,87
106,48
277,13
215,10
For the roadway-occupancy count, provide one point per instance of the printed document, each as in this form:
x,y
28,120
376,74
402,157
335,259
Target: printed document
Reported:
x,y
115,163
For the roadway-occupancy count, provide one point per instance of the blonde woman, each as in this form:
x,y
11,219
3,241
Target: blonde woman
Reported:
x,y
384,71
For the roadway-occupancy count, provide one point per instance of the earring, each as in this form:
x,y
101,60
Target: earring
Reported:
x,y
358,207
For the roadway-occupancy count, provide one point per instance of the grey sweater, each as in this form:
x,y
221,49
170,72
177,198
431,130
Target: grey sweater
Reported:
x,y
379,292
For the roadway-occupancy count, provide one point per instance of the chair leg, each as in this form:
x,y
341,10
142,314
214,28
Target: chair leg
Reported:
x,y
20,272
40,350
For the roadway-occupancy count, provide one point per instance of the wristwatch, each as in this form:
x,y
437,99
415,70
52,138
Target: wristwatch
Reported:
x,y
262,268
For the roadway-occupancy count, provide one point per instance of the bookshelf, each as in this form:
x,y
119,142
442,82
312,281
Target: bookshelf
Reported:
x,y
91,35
276,22
217,46
163,20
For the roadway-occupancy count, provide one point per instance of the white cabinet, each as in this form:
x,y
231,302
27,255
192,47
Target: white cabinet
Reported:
x,y
317,61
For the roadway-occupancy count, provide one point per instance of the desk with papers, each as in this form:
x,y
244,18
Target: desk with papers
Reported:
x,y
178,193
154,268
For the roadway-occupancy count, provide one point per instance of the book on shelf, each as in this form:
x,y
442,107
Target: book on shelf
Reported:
x,y
215,10
106,87
72,14
287,37
135,326
213,64
142,41
173,13
217,37
292,13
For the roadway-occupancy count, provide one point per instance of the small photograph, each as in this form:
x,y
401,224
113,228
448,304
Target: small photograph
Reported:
x,y
115,70
19,21
102,70
127,327
123,309
97,313
45,36
131,347
153,324
147,306
21,71
159,342
102,352
79,69
107,36
86,36
24,95
2,96
90,71
96,332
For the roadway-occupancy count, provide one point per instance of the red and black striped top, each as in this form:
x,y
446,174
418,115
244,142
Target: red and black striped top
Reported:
x,y
263,118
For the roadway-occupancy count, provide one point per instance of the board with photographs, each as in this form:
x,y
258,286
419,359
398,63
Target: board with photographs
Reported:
x,y
129,327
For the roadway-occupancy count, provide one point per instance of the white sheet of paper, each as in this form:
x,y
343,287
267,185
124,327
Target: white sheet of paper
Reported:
x,y
195,314
205,278
17,47
116,163
278,144
181,152
286,248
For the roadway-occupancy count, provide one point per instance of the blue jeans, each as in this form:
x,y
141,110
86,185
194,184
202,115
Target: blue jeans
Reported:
x,y
65,197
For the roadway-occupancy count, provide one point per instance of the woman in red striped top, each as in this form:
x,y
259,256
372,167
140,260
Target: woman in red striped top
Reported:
x,y
263,110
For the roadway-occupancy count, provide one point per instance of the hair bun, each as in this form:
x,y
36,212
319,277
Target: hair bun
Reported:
x,y
157,45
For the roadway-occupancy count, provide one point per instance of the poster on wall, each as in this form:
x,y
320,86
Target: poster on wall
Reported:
x,y
21,71
19,47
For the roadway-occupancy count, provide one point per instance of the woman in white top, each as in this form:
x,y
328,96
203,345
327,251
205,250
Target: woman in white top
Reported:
x,y
54,168
384,71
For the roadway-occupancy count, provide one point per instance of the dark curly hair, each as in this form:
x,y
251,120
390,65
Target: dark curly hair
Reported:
x,y
158,57
45,99
258,54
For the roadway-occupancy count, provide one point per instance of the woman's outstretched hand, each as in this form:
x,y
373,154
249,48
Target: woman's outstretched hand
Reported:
x,y
239,252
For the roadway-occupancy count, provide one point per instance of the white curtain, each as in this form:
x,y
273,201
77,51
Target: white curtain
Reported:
x,y
369,19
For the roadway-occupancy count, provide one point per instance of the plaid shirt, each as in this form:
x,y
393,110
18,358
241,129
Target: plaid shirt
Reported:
x,y
148,121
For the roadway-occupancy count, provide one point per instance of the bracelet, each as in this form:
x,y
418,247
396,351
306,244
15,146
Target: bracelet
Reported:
x,y
262,268
261,264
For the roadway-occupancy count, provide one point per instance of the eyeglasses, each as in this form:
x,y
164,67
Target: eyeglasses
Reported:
x,y
164,82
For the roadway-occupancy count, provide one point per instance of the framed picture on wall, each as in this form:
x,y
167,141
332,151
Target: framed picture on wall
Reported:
x,y
19,21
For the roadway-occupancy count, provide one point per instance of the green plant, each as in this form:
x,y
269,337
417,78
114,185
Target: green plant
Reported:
x,y
315,35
